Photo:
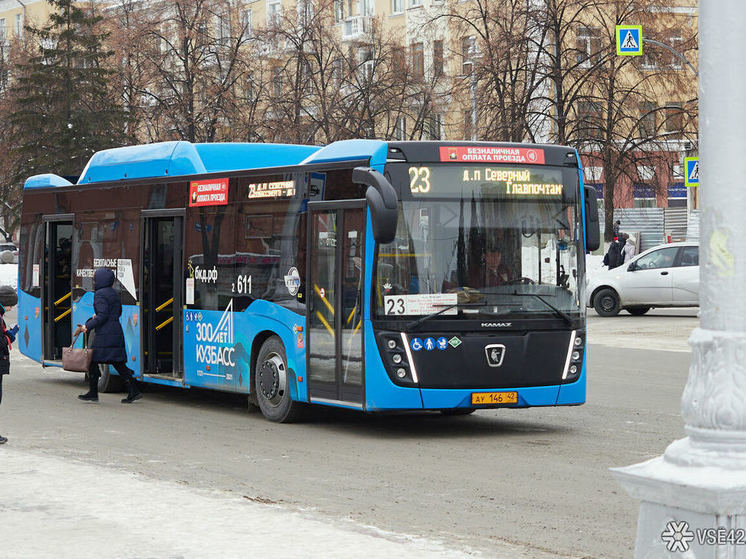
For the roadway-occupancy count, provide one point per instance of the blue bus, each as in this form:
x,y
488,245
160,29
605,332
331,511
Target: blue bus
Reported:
x,y
365,274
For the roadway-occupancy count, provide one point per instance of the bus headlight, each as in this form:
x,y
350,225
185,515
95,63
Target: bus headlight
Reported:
x,y
401,372
396,358
575,353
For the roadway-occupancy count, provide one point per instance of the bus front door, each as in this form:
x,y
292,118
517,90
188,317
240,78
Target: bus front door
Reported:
x,y
161,283
334,297
57,286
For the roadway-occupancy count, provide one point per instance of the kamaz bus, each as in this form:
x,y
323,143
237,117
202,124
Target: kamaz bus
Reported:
x,y
365,274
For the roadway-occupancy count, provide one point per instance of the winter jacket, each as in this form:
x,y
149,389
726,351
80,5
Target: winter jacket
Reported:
x,y
6,338
108,344
614,256
629,251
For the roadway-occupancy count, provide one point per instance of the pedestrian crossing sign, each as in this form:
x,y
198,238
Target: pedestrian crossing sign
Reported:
x,y
629,40
691,170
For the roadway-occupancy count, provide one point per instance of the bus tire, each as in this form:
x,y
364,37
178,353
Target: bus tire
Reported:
x,y
108,382
606,302
273,385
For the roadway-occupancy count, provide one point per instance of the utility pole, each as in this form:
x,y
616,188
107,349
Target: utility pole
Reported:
x,y
700,481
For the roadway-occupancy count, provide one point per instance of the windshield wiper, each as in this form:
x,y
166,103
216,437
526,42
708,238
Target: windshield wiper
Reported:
x,y
558,312
419,321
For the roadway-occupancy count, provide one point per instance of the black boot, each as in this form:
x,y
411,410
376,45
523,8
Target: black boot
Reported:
x,y
133,392
3,440
92,394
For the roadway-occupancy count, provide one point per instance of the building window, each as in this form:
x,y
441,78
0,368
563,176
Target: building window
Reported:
x,y
590,117
274,11
19,25
224,29
592,174
588,45
646,173
396,6
644,196
2,30
415,3
339,10
367,64
277,82
646,123
246,22
438,58
677,195
468,45
418,60
399,60
674,118
675,40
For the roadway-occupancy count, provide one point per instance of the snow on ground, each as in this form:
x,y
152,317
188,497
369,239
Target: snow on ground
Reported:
x,y
58,508
9,275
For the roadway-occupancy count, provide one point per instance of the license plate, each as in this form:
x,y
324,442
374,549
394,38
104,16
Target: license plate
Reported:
x,y
494,398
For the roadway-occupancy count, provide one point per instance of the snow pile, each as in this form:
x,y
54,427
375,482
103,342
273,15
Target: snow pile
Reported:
x,y
9,275
57,508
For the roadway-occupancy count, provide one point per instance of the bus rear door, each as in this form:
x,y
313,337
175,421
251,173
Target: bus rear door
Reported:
x,y
335,302
57,286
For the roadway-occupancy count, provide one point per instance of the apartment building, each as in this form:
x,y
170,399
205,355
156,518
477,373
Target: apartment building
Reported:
x,y
465,79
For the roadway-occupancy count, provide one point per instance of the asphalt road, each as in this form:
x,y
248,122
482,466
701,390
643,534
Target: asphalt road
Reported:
x,y
537,478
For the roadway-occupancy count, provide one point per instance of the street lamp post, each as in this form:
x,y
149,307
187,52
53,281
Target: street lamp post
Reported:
x,y
700,481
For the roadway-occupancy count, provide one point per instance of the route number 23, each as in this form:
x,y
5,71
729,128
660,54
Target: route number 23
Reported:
x,y
419,180
395,305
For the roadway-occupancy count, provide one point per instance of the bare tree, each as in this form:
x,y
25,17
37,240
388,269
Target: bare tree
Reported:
x,y
195,59
609,106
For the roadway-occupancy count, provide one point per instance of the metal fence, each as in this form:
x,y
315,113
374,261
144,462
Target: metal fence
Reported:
x,y
648,223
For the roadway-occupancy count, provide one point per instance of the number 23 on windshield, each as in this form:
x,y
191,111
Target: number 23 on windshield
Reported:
x,y
419,180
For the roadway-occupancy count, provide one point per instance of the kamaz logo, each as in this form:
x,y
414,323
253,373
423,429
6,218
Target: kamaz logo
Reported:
x,y
497,324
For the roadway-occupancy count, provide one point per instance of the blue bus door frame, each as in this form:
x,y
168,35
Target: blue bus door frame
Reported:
x,y
56,292
335,298
161,293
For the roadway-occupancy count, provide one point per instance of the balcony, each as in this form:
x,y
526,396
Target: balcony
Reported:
x,y
356,27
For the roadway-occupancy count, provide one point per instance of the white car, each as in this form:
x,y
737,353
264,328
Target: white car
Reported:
x,y
663,276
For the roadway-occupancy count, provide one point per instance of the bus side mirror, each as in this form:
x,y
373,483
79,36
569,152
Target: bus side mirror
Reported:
x,y
382,202
592,230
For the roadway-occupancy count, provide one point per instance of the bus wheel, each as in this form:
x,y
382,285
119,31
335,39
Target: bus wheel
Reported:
x,y
108,382
458,411
272,384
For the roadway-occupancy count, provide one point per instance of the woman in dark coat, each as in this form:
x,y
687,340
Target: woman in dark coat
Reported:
x,y
6,338
108,345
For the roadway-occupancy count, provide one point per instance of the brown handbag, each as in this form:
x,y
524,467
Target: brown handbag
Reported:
x,y
77,359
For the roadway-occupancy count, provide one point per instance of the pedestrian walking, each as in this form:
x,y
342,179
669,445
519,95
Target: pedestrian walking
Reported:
x,y
6,339
629,250
616,227
108,344
614,256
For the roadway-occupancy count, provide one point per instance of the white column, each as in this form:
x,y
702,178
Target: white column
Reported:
x,y
701,479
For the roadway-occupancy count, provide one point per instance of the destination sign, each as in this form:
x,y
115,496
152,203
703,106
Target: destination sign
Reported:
x,y
485,181
276,189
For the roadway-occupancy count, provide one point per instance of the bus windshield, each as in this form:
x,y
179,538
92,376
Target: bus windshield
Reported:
x,y
478,242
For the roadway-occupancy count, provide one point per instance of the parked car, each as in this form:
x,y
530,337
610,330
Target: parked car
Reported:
x,y
663,276
12,251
